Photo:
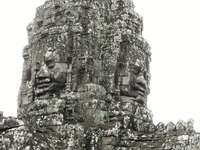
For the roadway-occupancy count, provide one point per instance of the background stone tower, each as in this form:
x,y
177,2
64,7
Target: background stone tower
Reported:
x,y
85,83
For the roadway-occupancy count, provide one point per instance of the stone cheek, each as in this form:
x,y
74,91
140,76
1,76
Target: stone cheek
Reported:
x,y
50,81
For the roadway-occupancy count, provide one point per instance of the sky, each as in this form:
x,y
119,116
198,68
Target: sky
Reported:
x,y
172,28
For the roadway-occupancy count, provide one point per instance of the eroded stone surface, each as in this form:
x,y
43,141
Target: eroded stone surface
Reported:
x,y
85,83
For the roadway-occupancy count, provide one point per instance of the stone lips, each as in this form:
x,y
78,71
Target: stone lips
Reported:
x,y
85,83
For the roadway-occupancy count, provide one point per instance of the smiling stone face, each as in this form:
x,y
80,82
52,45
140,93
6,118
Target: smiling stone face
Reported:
x,y
51,77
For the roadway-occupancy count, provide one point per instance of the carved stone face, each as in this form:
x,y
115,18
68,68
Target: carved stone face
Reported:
x,y
140,88
51,76
26,54
134,84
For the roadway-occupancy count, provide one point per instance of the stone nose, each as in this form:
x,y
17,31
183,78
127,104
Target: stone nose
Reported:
x,y
43,72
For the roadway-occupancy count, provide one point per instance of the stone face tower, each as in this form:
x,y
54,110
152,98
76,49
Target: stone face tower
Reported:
x,y
88,50
85,42
85,83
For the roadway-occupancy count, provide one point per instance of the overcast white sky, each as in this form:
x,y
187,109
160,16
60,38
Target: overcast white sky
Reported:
x,y
172,28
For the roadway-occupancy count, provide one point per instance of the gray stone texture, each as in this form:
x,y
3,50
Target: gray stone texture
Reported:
x,y
85,83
